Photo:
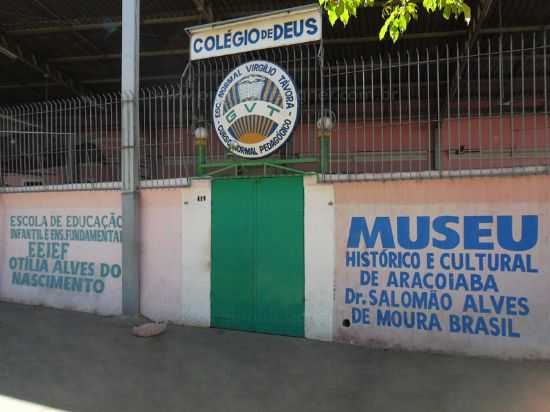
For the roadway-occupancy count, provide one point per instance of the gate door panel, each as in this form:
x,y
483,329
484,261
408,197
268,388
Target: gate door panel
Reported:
x,y
258,255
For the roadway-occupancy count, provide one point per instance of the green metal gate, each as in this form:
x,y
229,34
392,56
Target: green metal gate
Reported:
x,y
258,254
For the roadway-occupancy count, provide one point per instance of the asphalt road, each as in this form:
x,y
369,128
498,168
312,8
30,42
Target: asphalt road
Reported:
x,y
80,362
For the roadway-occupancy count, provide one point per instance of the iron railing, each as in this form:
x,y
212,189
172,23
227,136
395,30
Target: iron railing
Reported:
x,y
456,110
165,138
61,144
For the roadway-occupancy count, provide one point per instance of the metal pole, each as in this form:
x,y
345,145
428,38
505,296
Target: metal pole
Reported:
x,y
201,138
324,146
129,159
200,148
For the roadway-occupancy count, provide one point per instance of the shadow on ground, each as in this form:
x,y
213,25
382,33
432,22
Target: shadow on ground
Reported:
x,y
85,363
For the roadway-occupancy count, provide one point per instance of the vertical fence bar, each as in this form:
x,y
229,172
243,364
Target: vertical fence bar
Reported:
x,y
4,142
409,146
545,85
501,98
112,135
429,108
469,108
400,117
104,137
4,156
338,119
490,93
350,129
523,143
449,135
46,138
512,120
94,146
355,146
381,152
169,135
329,77
83,142
18,160
373,106
437,155
458,113
149,144
390,110
479,134
176,172
536,147
420,143
364,117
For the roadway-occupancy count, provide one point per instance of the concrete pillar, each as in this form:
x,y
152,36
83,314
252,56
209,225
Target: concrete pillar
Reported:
x,y
130,157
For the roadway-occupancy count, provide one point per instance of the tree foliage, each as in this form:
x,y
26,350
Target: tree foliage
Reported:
x,y
397,14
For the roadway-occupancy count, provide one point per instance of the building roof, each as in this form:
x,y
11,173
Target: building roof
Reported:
x,y
61,48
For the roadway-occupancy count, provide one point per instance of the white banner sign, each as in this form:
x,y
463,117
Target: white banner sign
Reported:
x,y
283,28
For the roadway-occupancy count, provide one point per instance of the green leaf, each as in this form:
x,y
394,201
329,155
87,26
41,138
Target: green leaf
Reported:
x,y
430,5
344,17
467,13
384,30
332,16
394,33
402,23
340,7
397,14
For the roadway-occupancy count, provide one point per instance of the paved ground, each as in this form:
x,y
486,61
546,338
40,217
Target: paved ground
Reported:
x,y
80,362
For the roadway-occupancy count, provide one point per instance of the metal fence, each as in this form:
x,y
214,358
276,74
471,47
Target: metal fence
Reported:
x,y
61,144
456,110
165,144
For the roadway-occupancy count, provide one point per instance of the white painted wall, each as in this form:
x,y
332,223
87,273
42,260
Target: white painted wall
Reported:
x,y
319,258
196,253
32,285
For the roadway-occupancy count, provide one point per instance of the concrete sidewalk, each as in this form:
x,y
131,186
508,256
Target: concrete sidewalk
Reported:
x,y
82,363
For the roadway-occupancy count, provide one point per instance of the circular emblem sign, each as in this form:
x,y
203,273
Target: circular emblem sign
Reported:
x,y
255,109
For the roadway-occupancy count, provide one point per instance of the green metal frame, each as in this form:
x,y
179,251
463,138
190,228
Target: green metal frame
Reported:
x,y
279,164
322,160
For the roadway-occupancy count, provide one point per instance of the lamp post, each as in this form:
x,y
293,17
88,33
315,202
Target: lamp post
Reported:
x,y
201,136
325,124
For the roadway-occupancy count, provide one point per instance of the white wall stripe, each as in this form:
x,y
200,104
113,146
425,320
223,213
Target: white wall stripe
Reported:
x,y
319,252
196,253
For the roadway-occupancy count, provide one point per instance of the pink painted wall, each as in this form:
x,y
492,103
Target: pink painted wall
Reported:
x,y
160,250
161,253
514,141
502,196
